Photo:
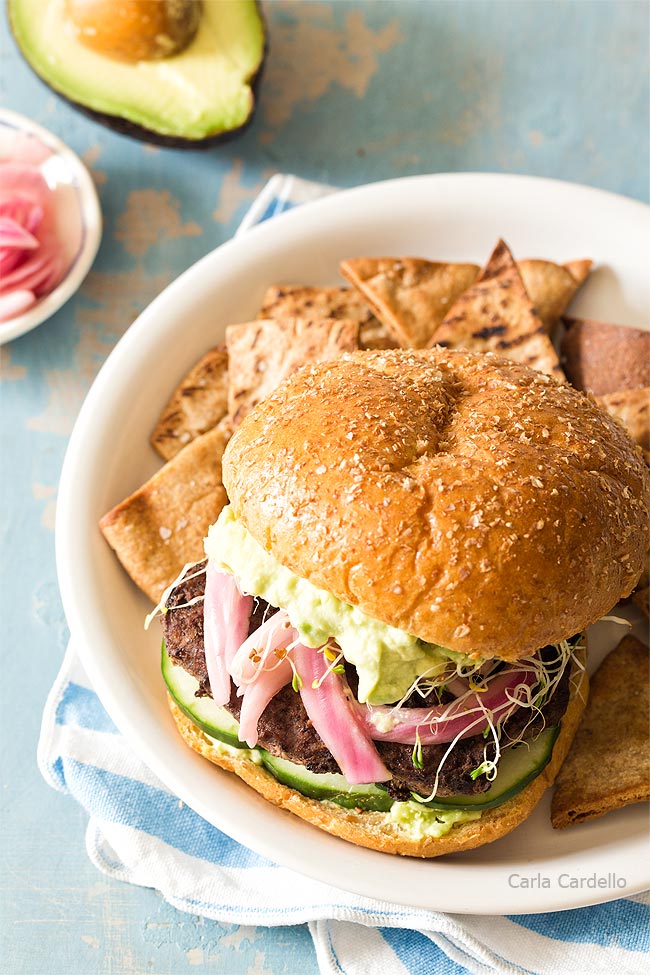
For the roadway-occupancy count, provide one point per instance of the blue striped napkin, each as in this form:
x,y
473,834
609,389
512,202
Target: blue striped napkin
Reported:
x,y
141,833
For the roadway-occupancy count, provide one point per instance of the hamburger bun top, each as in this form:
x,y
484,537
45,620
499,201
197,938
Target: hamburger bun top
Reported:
x,y
462,498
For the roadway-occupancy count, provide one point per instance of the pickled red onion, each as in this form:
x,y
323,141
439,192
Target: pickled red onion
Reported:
x,y
258,693
23,180
226,613
446,722
335,718
275,633
260,672
33,273
14,235
21,209
15,303
30,253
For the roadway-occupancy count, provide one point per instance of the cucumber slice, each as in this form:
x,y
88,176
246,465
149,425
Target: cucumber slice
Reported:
x,y
331,786
518,766
208,716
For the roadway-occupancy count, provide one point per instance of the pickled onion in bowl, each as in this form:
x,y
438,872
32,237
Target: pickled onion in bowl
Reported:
x,y
50,224
31,254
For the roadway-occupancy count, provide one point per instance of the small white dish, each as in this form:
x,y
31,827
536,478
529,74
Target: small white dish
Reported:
x,y
77,213
444,217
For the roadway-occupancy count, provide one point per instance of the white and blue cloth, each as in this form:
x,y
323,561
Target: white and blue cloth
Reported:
x,y
141,833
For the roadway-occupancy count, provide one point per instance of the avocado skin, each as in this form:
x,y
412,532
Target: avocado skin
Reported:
x,y
132,130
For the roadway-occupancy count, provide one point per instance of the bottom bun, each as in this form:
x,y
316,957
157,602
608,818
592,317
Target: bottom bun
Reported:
x,y
376,830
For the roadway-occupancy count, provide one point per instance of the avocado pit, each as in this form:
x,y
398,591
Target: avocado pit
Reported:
x,y
134,30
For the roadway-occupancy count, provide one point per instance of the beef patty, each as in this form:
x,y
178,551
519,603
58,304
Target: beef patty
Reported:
x,y
285,729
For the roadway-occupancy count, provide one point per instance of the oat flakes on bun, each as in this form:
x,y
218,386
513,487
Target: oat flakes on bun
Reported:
x,y
388,635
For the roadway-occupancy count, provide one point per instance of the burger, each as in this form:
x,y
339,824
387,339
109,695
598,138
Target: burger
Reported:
x,y
387,637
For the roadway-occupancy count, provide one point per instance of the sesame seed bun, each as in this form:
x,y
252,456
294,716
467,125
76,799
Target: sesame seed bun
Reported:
x,y
377,830
462,498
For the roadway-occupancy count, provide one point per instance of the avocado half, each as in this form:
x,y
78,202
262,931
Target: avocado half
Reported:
x,y
201,96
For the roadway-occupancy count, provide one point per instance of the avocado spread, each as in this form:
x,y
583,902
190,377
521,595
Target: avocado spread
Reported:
x,y
420,822
222,748
198,94
386,659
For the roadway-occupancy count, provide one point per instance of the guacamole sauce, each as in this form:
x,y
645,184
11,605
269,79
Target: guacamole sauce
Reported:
x,y
420,822
386,659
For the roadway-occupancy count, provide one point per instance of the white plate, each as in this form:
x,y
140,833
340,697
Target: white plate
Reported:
x,y
455,217
76,211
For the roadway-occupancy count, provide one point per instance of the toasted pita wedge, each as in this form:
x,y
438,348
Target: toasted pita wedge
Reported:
x,y
161,526
608,765
409,295
632,408
644,581
198,403
551,287
265,352
303,301
496,315
375,335
641,595
641,599
579,269
602,358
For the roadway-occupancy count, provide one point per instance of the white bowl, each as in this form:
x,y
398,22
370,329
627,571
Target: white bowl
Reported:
x,y
456,217
76,211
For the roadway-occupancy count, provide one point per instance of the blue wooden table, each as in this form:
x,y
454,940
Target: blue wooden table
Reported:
x,y
352,92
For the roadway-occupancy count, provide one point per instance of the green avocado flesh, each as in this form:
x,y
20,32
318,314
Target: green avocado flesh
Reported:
x,y
386,659
199,93
518,766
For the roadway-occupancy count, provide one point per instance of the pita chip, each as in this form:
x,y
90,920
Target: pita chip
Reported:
x,y
160,527
305,301
496,315
641,599
264,353
375,335
551,287
579,269
602,358
198,403
409,295
641,595
631,407
609,762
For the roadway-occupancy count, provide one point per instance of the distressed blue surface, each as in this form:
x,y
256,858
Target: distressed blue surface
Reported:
x,y
352,92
